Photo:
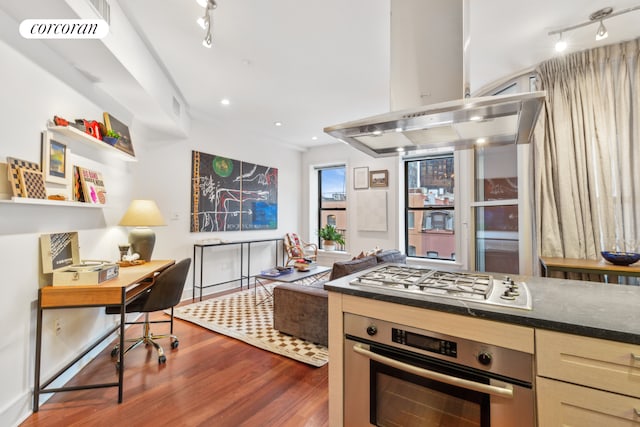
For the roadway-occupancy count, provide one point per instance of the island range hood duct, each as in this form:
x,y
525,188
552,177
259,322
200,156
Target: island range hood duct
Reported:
x,y
459,124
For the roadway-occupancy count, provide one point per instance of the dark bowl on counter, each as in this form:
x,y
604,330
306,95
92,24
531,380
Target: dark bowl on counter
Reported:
x,y
621,258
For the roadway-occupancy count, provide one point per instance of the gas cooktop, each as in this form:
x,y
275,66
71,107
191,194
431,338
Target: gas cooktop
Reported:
x,y
421,282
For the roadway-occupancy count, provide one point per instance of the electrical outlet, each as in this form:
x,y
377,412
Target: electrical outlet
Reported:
x,y
57,325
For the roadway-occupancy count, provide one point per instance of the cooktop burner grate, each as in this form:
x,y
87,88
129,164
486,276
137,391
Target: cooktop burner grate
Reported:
x,y
477,287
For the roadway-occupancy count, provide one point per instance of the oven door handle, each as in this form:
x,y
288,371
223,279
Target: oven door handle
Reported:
x,y
425,373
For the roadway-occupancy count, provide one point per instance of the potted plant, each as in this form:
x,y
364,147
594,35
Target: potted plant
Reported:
x,y
111,137
330,237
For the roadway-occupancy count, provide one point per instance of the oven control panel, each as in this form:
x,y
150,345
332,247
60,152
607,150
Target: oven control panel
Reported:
x,y
424,342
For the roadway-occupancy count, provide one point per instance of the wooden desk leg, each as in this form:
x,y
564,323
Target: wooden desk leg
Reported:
x,y
36,382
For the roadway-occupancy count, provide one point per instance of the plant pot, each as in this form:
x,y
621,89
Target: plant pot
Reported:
x,y
329,245
110,140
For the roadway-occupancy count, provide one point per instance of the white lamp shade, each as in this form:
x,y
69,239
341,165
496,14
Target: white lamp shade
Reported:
x,y
142,213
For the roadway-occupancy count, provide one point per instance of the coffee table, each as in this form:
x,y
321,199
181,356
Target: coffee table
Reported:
x,y
315,274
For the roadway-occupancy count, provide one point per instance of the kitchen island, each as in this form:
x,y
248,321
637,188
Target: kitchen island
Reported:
x,y
585,338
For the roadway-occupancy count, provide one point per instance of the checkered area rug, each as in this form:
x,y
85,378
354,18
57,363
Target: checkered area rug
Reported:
x,y
237,316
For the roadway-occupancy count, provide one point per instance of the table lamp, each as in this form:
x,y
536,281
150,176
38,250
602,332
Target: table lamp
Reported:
x,y
142,214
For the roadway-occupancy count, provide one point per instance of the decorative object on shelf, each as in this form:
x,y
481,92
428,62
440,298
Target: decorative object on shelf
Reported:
x,y
231,195
5,184
379,178
14,175
142,214
91,127
124,141
330,237
621,258
93,189
111,137
360,178
55,155
32,184
78,195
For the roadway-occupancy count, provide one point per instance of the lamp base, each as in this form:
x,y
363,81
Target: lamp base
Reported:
x,y
142,240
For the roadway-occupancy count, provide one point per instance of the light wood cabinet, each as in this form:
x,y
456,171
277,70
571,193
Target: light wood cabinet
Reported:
x,y
585,381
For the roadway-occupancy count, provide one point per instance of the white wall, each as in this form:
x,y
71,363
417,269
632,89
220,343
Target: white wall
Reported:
x,y
31,97
356,241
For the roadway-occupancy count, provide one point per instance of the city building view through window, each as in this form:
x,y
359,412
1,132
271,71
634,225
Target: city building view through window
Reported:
x,y
430,208
333,200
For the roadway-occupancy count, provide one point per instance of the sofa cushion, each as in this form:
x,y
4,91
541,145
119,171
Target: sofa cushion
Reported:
x,y
391,255
344,268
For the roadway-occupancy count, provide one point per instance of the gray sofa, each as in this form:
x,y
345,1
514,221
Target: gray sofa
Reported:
x,y
301,311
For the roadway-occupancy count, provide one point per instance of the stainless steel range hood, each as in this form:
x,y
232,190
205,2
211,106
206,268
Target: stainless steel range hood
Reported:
x,y
459,124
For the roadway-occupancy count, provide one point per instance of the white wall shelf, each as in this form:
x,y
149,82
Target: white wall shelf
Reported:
x,y
78,135
47,202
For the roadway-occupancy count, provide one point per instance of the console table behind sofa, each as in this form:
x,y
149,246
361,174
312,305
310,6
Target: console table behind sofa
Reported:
x,y
279,243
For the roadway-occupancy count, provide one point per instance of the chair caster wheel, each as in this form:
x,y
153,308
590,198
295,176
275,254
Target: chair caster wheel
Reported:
x,y
162,359
175,344
114,351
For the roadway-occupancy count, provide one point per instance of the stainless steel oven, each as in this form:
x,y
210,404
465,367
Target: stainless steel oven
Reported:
x,y
396,375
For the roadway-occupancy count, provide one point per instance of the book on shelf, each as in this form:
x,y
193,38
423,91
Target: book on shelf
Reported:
x,y
78,196
92,185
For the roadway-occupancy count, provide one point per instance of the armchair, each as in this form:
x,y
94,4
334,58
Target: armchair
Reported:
x,y
297,248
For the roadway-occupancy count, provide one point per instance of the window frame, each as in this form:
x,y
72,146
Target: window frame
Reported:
x,y
408,210
321,209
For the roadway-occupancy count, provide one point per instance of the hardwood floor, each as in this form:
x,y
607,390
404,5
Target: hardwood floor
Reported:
x,y
209,380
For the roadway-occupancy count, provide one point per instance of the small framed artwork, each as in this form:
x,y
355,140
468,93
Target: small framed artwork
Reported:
x,y
124,141
360,178
379,178
55,159
32,184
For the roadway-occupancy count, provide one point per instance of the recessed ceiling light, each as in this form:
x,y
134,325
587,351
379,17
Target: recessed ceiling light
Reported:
x,y
314,138
377,132
400,149
277,123
475,118
225,101
481,140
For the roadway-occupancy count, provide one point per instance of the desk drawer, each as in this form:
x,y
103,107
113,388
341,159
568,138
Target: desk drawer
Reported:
x,y
602,364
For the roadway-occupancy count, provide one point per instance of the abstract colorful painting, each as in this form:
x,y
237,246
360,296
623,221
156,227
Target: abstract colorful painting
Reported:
x,y
231,195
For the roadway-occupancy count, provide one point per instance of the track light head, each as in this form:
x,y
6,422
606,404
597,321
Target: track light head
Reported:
x,y
602,33
561,45
207,42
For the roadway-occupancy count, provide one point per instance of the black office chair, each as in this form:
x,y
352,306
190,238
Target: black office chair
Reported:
x,y
163,295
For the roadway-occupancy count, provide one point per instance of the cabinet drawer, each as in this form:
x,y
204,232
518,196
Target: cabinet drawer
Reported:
x,y
562,404
597,363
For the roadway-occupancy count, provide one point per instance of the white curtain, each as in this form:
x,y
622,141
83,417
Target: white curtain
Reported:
x,y
587,153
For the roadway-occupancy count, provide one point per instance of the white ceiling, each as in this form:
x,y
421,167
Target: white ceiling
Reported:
x,y
308,64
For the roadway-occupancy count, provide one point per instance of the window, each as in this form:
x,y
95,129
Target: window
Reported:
x,y
332,203
496,209
430,205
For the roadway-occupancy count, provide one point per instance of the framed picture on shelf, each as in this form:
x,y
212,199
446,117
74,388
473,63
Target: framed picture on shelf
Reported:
x,y
32,184
124,141
360,178
379,178
55,160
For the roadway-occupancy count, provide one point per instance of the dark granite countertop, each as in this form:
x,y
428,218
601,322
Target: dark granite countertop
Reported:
x,y
591,309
